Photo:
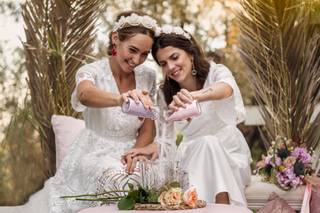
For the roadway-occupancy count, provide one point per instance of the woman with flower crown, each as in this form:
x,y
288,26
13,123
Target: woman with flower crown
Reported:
x,y
101,88
213,151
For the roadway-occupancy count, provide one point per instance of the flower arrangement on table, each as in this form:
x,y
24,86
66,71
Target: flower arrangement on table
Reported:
x,y
285,164
168,197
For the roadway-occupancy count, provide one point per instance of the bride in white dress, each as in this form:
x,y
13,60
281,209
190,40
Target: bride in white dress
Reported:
x,y
102,86
213,151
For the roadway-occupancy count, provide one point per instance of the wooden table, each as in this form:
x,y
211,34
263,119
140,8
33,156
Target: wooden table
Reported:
x,y
210,208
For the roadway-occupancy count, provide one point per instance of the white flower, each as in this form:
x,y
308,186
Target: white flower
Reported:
x,y
136,20
169,29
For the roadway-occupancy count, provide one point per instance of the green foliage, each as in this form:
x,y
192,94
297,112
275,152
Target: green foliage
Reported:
x,y
22,165
126,203
140,195
179,138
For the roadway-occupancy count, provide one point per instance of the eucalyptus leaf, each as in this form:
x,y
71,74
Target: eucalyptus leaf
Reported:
x,y
126,203
179,138
131,186
134,195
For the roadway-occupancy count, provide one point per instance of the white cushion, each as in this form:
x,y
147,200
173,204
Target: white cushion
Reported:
x,y
258,192
65,129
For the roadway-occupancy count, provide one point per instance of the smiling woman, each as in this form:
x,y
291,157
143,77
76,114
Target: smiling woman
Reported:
x,y
101,88
213,150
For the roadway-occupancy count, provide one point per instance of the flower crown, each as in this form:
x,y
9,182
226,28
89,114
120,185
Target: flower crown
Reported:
x,y
169,29
136,20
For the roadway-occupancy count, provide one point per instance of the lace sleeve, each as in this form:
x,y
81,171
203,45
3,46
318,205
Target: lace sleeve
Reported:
x,y
230,110
84,73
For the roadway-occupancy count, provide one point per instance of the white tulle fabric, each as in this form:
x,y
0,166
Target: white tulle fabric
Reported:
x,y
213,151
108,134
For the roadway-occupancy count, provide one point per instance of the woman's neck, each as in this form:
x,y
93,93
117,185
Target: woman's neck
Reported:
x,y
116,70
189,84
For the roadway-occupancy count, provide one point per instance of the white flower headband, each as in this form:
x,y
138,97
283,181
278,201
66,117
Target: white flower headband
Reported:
x,y
136,20
169,29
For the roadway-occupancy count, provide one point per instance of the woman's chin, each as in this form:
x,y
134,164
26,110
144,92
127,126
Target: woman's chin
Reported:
x,y
177,79
127,69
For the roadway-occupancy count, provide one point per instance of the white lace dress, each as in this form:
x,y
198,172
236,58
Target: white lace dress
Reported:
x,y
213,151
108,134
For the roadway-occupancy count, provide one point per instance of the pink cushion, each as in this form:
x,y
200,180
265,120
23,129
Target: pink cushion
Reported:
x,y
258,192
65,129
276,204
210,208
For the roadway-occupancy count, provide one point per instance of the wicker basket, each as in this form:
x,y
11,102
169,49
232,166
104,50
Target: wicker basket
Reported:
x,y
157,206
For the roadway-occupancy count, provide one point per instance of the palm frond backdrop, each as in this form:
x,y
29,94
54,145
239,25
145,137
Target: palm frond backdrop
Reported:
x,y
59,35
280,44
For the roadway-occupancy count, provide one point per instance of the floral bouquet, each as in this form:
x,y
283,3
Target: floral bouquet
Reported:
x,y
168,197
285,165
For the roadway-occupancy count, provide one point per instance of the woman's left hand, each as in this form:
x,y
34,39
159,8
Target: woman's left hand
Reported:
x,y
182,98
131,161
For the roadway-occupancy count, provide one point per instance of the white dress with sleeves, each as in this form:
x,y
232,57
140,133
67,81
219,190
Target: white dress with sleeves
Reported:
x,y
108,134
214,151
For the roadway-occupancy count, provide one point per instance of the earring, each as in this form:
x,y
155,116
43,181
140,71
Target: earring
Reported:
x,y
194,71
113,50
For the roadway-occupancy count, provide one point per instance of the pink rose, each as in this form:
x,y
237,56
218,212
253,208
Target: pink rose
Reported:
x,y
190,197
172,197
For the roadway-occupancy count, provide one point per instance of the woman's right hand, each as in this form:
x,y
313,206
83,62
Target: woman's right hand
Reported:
x,y
182,98
138,96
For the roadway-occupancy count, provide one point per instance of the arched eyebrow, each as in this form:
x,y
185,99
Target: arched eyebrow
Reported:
x,y
138,50
170,57
134,47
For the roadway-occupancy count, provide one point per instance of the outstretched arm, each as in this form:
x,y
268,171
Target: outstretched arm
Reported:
x,y
91,96
216,91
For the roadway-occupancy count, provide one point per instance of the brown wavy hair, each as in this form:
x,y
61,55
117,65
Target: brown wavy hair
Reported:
x,y
130,31
170,87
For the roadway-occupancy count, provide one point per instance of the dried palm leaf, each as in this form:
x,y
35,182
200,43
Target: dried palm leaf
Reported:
x,y
280,45
59,35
